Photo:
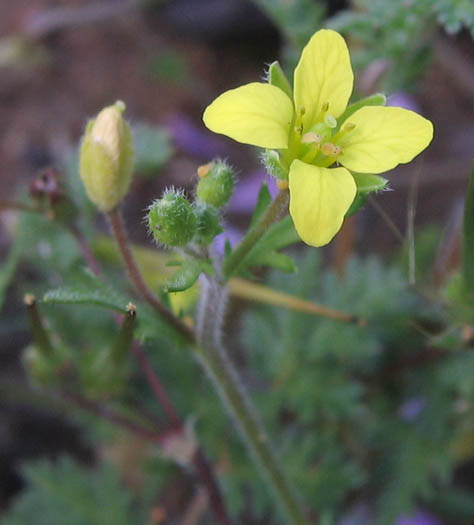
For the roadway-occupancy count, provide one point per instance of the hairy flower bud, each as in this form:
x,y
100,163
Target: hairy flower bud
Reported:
x,y
208,223
106,158
216,183
172,220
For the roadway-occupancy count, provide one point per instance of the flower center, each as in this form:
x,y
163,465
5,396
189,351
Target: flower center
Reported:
x,y
319,144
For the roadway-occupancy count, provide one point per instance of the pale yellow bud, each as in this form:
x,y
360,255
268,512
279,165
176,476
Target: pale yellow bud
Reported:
x,y
106,158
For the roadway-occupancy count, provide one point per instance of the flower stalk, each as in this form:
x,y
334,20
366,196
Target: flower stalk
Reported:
x,y
276,211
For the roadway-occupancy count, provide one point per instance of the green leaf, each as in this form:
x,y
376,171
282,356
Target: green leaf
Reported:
x,y
63,492
88,289
468,237
152,147
277,77
264,253
186,275
263,200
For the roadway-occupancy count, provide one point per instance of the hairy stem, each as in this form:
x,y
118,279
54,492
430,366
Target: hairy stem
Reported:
x,y
224,376
120,234
206,346
277,209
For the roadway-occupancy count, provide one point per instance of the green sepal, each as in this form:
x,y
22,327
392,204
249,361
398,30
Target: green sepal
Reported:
x,y
187,274
366,184
277,77
378,99
468,238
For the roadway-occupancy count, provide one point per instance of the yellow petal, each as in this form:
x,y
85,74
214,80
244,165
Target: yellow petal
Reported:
x,y
257,114
319,199
324,74
383,137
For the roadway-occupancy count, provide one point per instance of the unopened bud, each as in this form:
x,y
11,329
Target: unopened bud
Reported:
x,y
273,166
172,220
217,185
208,223
106,158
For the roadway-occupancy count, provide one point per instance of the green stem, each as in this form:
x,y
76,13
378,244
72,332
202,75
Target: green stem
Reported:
x,y
274,212
213,357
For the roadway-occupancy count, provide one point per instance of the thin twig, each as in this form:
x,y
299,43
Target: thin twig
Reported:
x,y
158,389
19,206
120,234
111,416
386,217
411,212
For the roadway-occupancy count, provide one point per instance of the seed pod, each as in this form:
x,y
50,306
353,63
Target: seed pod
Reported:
x,y
172,220
106,158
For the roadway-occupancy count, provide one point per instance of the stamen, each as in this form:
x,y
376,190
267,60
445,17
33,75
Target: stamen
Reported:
x,y
311,138
299,120
330,150
282,184
322,113
346,129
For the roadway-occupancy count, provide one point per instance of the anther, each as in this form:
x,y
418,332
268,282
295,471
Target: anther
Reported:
x,y
330,150
204,170
311,138
282,184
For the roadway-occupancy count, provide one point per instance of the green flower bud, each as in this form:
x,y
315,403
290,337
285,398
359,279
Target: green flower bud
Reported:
x,y
106,158
216,185
208,223
273,166
172,220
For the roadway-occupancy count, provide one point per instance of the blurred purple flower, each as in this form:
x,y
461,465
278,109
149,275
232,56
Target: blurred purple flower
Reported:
x,y
403,100
233,235
420,518
246,191
195,140
411,409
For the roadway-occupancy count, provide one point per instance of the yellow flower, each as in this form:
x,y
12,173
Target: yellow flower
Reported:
x,y
316,149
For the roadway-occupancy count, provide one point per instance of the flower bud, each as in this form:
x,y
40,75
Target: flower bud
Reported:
x,y
208,223
172,220
106,158
273,165
216,183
